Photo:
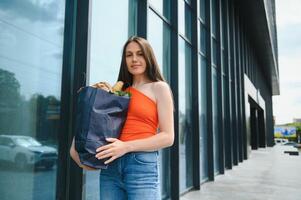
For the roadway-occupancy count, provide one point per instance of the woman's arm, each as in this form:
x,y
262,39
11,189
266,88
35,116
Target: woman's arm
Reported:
x,y
163,139
74,155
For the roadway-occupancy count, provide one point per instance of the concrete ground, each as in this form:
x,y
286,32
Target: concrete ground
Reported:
x,y
269,174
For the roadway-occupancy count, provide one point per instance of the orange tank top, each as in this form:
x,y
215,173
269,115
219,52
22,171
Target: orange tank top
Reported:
x,y
142,117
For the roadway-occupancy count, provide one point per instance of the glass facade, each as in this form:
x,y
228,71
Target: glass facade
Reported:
x,y
105,56
185,115
215,121
162,7
31,56
185,19
203,119
196,50
202,81
159,37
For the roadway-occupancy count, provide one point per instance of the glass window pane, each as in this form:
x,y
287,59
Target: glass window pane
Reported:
x,y
185,115
214,18
181,17
31,49
215,120
214,52
202,8
224,62
203,118
105,54
159,37
163,7
188,1
109,31
184,19
203,41
188,16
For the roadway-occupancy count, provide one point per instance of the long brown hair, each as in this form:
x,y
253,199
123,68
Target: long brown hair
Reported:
x,y
152,67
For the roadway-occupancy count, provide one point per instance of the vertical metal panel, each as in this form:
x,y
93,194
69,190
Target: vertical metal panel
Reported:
x,y
74,69
209,94
233,84
195,94
64,139
228,133
243,102
174,159
261,128
142,19
238,83
220,92
79,78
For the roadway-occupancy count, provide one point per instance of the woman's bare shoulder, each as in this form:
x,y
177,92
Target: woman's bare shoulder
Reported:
x,y
161,89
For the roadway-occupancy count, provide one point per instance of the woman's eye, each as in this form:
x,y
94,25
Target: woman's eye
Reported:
x,y
128,55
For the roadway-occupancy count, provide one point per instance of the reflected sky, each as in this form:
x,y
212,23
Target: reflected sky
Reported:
x,y
109,32
155,36
31,44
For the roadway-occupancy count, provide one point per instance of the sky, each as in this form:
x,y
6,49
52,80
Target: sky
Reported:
x,y
288,104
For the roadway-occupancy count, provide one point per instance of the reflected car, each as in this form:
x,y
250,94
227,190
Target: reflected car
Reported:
x,y
290,143
294,144
25,150
280,140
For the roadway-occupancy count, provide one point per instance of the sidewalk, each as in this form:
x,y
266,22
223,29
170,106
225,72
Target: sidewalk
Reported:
x,y
268,174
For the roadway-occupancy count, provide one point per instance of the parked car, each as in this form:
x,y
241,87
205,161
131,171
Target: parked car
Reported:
x,y
25,150
280,140
290,143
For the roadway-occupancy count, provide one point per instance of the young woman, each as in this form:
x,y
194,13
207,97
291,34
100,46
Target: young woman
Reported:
x,y
133,170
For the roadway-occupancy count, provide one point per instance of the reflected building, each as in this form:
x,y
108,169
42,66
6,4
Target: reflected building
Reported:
x,y
219,57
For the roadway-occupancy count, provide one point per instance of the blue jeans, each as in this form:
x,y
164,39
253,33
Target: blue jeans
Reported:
x,y
134,176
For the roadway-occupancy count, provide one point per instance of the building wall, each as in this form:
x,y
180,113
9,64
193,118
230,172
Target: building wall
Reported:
x,y
206,51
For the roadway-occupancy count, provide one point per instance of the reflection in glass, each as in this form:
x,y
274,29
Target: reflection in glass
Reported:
x,y
215,121
188,29
31,46
203,41
188,1
214,17
185,115
163,7
202,9
109,32
159,38
214,52
184,19
224,61
203,118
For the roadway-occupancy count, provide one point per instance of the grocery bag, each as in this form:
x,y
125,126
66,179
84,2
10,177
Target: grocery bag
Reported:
x,y
100,114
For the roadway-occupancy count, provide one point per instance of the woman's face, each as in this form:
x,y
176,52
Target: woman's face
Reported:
x,y
135,59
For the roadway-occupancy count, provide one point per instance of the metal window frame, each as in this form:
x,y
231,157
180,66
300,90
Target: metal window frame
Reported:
x,y
69,177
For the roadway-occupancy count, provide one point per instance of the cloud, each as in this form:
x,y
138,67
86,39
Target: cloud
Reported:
x,y
32,10
288,12
289,40
288,105
290,67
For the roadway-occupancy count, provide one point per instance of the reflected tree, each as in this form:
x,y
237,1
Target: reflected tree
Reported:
x,y
46,114
10,102
37,117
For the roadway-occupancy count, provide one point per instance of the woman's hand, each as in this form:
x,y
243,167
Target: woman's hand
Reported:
x,y
85,167
115,149
74,155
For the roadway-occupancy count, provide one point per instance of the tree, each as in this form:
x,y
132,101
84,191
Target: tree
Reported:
x,y
10,101
9,89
